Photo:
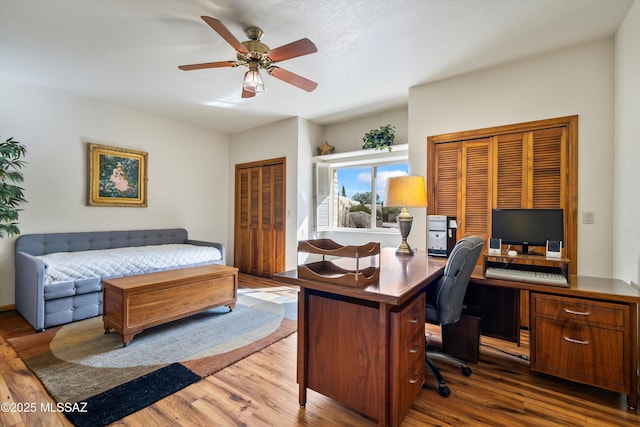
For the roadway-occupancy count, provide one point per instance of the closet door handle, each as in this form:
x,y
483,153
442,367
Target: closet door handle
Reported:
x,y
579,313
572,340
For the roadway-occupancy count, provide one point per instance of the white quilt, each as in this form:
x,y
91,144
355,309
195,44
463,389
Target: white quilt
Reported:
x,y
67,266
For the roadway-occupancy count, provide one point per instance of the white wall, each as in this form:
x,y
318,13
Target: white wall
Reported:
x,y
577,80
347,135
279,139
626,240
309,137
187,169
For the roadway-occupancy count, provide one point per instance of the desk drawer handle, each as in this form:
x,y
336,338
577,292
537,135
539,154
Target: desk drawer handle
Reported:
x,y
415,319
416,377
579,313
414,348
576,341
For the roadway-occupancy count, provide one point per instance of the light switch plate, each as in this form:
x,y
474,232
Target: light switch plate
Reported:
x,y
588,217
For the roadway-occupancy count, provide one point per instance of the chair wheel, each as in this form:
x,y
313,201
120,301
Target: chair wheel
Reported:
x,y
466,371
444,391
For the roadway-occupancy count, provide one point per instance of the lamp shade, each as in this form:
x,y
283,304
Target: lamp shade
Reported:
x,y
253,81
406,191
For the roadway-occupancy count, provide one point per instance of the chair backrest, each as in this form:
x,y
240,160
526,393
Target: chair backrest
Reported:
x,y
452,286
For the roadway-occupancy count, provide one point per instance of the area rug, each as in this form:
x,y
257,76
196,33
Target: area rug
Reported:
x,y
98,381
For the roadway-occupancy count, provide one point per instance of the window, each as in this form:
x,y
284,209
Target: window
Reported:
x,y
350,192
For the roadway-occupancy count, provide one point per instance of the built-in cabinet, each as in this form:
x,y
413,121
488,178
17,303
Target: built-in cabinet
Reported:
x,y
259,243
527,165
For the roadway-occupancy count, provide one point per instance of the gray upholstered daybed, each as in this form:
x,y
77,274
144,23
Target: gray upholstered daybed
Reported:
x,y
85,258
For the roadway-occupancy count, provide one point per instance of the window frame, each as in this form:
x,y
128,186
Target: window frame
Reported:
x,y
324,167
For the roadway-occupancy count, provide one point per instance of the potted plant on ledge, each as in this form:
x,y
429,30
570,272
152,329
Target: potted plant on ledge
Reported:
x,y
379,139
11,195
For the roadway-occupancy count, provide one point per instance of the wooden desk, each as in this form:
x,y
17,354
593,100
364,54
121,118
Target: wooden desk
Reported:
x,y
364,347
587,332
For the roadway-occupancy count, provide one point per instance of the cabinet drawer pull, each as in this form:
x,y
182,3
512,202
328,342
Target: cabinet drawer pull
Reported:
x,y
415,319
579,313
414,348
576,341
416,377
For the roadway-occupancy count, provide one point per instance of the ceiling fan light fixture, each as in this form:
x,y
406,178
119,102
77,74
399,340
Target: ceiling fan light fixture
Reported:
x,y
253,81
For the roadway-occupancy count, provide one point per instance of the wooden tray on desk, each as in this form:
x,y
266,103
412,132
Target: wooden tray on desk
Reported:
x,y
326,271
329,247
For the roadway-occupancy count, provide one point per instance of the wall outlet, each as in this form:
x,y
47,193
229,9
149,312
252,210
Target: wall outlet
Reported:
x,y
588,217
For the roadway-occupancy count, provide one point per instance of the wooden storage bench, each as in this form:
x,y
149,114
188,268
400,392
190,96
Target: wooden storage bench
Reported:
x,y
135,303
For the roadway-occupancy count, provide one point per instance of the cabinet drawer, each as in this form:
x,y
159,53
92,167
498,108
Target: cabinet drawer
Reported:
x,y
406,358
580,311
409,387
582,353
411,319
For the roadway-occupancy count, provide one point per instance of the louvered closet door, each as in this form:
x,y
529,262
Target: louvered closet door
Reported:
x,y
445,193
462,185
476,186
242,253
548,183
529,169
526,165
515,170
260,217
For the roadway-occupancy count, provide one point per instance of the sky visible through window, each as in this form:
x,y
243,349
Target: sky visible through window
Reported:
x,y
357,179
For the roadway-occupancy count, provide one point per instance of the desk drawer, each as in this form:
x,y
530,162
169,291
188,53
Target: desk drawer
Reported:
x,y
580,353
406,356
579,311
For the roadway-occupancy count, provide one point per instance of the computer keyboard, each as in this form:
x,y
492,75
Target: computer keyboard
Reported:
x,y
538,277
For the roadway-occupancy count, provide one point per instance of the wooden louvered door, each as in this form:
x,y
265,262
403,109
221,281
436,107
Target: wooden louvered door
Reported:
x,y
529,169
475,210
529,165
260,217
462,185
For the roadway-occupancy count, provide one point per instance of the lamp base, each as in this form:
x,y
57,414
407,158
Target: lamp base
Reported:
x,y
405,220
404,249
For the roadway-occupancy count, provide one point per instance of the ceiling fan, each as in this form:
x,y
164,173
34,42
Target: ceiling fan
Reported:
x,y
256,55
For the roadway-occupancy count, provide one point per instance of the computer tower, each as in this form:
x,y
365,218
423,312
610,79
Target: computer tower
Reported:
x,y
441,234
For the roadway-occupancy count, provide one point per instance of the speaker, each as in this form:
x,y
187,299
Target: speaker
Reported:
x,y
495,246
554,248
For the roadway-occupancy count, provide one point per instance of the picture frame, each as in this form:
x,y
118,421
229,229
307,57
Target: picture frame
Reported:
x,y
117,176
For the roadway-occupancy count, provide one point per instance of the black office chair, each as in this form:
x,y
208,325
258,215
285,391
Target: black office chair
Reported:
x,y
445,299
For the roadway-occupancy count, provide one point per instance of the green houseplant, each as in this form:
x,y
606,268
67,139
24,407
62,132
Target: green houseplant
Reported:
x,y
379,139
11,195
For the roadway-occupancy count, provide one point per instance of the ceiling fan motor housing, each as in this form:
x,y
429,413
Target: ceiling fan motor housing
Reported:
x,y
257,52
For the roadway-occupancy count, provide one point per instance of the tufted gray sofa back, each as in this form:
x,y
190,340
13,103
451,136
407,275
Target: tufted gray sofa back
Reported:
x,y
42,244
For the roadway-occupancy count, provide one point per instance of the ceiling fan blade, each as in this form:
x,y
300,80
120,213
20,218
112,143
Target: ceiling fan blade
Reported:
x,y
247,93
219,64
292,50
225,33
292,78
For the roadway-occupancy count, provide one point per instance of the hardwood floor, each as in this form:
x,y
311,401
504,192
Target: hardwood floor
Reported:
x,y
261,390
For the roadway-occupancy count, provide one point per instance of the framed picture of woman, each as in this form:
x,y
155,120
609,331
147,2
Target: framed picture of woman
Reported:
x,y
117,176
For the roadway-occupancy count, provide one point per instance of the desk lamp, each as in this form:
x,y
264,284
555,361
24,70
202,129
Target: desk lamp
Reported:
x,y
405,192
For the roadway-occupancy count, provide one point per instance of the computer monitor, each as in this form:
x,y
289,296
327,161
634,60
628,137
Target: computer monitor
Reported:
x,y
527,227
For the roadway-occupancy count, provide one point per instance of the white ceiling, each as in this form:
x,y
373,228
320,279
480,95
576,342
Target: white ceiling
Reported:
x,y
370,52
